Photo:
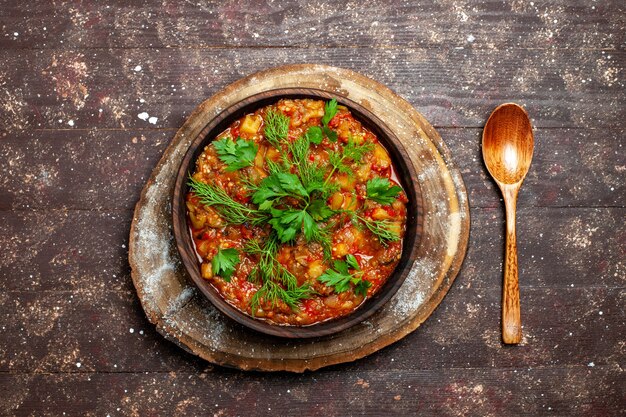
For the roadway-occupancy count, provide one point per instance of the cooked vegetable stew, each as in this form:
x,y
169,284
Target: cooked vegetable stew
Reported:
x,y
295,213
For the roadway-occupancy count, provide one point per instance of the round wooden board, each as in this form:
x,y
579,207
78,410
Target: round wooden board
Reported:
x,y
182,314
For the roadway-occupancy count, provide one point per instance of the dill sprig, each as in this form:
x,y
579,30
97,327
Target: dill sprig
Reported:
x,y
276,128
352,151
355,151
271,292
275,167
268,267
232,211
299,149
323,237
272,273
384,230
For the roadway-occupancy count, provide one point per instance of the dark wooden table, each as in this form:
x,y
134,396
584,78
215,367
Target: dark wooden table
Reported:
x,y
90,95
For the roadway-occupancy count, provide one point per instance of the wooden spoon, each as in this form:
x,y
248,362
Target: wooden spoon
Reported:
x,y
507,151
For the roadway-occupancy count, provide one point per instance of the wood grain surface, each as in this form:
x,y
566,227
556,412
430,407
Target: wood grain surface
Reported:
x,y
67,191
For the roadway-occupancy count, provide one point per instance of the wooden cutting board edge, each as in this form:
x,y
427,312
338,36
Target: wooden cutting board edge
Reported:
x,y
195,122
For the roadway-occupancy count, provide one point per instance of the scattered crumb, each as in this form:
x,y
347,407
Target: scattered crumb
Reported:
x,y
362,383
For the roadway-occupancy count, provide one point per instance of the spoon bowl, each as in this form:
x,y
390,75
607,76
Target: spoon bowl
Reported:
x,y
507,151
508,144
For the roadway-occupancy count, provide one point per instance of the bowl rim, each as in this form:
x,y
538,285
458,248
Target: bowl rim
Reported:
x,y
400,160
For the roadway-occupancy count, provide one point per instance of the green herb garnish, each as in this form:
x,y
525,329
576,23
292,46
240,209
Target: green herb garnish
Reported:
x,y
268,266
319,210
314,134
271,273
330,134
380,190
271,292
362,286
305,193
330,110
352,152
224,263
232,211
340,277
311,174
276,128
279,185
352,262
287,223
236,154
385,230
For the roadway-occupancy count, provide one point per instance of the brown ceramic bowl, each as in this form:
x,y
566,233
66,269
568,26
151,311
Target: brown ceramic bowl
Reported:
x,y
405,173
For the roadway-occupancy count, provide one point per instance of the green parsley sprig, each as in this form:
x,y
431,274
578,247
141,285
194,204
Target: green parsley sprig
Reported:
x,y
236,154
380,190
224,263
315,133
307,189
341,279
330,110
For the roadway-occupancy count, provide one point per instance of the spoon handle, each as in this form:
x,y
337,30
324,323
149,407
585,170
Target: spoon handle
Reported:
x,y
511,316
